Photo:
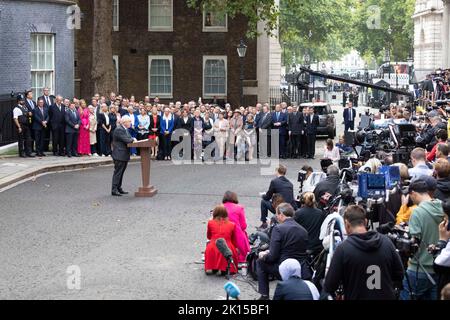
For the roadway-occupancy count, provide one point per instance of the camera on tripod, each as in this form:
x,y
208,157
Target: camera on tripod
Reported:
x,y
406,245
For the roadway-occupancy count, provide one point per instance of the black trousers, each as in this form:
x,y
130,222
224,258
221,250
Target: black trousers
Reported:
x,y
46,139
39,136
72,143
295,147
25,141
58,140
105,142
350,125
304,145
311,144
119,170
282,145
266,206
166,145
264,270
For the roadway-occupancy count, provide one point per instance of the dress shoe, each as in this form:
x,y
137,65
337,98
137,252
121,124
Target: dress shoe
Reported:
x,y
23,156
122,192
116,194
263,298
76,155
30,156
263,226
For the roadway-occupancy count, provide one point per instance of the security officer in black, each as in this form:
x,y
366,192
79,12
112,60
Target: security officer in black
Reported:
x,y
21,119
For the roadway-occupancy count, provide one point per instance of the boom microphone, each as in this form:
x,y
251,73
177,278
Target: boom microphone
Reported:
x,y
222,246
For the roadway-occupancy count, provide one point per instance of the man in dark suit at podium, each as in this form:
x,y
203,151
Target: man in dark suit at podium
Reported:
x,y
121,154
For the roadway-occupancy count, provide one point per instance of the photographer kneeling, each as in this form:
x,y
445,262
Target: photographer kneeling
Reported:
x,y
329,185
423,226
366,263
288,240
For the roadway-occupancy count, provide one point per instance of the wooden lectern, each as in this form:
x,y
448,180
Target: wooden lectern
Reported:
x,y
144,145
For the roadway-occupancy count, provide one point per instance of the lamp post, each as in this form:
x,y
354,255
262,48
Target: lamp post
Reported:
x,y
410,61
242,50
389,31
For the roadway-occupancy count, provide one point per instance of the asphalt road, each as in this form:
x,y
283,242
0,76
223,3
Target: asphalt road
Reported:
x,y
125,248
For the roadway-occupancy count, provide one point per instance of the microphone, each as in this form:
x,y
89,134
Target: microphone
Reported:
x,y
232,290
222,246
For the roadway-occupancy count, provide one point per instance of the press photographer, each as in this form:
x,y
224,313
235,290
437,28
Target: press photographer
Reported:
x,y
423,226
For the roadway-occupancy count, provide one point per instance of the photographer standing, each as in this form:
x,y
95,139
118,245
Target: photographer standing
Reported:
x,y
366,263
423,226
442,261
428,137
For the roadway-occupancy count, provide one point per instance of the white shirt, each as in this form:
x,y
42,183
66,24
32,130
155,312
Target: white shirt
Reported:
x,y
332,155
17,113
107,119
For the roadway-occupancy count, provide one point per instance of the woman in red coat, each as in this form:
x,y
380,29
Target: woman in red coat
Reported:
x,y
220,227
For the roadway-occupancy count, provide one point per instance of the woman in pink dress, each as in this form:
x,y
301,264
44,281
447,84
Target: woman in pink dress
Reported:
x,y
236,214
84,146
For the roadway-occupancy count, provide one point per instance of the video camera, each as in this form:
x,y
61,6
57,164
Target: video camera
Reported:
x,y
406,245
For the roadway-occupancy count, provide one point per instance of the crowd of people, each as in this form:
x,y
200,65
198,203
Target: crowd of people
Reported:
x,y
78,127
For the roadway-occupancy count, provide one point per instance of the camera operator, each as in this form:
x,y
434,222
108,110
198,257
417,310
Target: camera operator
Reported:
x,y
329,185
442,261
423,226
442,174
441,137
366,263
428,137
420,167
279,185
288,240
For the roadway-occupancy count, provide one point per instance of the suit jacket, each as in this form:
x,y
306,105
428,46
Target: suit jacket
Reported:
x,y
295,122
72,119
282,118
171,124
101,120
347,115
38,117
266,121
121,138
311,126
52,101
188,125
282,186
153,124
31,105
289,240
57,118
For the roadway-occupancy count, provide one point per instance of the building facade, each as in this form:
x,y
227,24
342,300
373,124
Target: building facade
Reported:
x,y
164,48
430,38
37,47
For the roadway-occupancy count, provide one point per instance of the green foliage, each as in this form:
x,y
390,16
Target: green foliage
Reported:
x,y
326,29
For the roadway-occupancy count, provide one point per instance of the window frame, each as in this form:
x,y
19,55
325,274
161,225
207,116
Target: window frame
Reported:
x,y
214,28
116,4
158,94
209,95
53,71
160,29
117,72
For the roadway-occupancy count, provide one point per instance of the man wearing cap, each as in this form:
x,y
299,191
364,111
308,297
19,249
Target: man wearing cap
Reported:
x,y
121,154
20,117
424,227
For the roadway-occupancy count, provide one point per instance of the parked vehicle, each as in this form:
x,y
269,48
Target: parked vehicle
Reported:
x,y
327,120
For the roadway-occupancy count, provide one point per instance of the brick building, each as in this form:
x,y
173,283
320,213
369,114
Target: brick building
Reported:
x,y
163,48
36,47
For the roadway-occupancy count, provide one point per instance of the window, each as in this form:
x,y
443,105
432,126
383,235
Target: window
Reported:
x,y
42,63
116,15
160,76
160,15
116,71
214,76
214,21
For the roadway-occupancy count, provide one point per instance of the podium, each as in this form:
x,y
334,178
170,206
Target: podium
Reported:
x,y
144,147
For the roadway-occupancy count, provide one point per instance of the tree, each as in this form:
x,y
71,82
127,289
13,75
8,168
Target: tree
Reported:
x,y
372,40
320,28
103,74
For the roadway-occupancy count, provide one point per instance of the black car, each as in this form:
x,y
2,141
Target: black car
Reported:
x,y
327,121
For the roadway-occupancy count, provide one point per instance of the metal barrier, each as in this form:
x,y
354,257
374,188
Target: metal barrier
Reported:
x,y
8,133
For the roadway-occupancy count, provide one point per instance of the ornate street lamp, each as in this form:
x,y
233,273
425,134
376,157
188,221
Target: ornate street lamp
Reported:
x,y
242,50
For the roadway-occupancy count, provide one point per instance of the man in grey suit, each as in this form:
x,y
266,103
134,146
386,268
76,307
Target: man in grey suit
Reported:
x,y
121,154
265,123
